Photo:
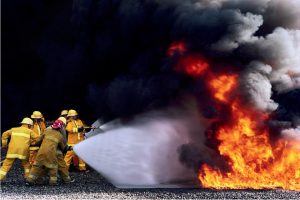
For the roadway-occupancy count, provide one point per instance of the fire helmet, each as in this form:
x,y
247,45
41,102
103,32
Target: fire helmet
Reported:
x,y
57,124
64,112
72,113
27,120
36,115
63,120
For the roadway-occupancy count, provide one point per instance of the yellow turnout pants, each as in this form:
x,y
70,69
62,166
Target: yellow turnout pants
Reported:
x,y
37,172
7,164
32,156
68,159
63,169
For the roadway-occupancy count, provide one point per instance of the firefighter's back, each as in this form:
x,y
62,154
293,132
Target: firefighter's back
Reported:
x,y
19,143
47,152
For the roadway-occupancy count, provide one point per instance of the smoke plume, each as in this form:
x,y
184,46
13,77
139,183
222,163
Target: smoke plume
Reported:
x,y
244,36
100,50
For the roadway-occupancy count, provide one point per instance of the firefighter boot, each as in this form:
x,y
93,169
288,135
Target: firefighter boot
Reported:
x,y
53,177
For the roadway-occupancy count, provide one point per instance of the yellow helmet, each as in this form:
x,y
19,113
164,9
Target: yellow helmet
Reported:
x,y
36,115
72,113
64,112
63,120
27,120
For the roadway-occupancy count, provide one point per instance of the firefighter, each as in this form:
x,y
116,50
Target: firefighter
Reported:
x,y
61,164
46,159
64,114
75,135
63,169
38,127
20,140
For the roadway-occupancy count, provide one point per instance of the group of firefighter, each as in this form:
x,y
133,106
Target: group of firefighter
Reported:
x,y
44,151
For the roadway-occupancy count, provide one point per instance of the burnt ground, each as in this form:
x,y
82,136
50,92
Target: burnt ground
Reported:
x,y
93,186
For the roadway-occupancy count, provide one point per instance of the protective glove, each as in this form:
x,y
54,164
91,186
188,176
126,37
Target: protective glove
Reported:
x,y
80,129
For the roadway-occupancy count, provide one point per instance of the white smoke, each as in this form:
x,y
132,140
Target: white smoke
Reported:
x,y
265,32
256,88
240,30
278,52
292,134
281,49
283,14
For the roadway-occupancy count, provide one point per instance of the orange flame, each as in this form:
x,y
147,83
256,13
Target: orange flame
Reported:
x,y
222,85
253,160
193,65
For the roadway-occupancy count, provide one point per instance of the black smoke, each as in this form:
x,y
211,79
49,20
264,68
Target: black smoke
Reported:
x,y
107,59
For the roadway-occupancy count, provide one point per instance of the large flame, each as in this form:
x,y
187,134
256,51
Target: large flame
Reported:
x,y
254,161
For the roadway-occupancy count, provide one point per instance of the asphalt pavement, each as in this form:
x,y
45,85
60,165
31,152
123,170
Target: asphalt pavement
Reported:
x,y
93,186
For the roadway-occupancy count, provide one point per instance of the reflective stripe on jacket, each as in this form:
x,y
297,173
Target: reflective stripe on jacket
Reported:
x,y
20,140
38,129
